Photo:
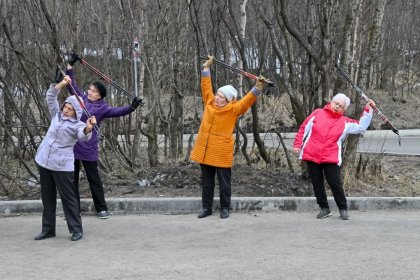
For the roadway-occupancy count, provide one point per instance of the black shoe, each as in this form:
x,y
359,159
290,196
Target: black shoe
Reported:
x,y
323,213
344,214
44,235
224,213
204,213
76,236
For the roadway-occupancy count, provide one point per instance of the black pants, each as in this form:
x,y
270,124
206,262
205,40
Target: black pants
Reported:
x,y
95,183
332,174
63,181
208,182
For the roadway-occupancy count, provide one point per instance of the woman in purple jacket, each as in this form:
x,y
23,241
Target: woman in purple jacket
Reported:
x,y
55,160
87,152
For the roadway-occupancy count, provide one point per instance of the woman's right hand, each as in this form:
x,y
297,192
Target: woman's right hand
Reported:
x,y
89,124
66,80
296,151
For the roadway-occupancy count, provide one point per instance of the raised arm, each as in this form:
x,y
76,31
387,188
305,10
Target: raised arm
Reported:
x,y
52,94
74,88
356,127
206,87
245,103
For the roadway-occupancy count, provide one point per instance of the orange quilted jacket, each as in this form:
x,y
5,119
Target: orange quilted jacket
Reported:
x,y
215,141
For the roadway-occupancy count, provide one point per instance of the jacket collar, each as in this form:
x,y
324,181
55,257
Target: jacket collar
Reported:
x,y
328,108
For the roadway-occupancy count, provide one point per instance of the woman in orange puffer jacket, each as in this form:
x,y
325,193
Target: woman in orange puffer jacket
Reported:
x,y
213,149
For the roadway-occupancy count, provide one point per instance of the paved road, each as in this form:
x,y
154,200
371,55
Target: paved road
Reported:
x,y
377,141
410,145
374,141
256,245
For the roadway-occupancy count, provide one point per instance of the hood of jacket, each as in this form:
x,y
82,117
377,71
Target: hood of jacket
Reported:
x,y
76,105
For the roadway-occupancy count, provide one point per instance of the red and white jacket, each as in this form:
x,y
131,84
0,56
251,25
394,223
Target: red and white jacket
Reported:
x,y
321,135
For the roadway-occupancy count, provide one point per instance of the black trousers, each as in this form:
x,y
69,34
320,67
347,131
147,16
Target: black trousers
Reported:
x,y
95,183
208,182
332,174
51,181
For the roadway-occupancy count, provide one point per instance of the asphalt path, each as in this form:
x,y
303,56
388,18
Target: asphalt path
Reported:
x,y
385,142
255,245
374,141
410,145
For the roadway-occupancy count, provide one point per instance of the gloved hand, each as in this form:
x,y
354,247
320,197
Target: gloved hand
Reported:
x,y
136,103
72,58
58,76
209,61
261,83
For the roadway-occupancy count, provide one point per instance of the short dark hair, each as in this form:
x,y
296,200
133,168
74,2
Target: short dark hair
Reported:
x,y
101,88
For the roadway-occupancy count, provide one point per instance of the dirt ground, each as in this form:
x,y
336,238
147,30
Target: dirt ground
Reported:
x,y
390,176
397,176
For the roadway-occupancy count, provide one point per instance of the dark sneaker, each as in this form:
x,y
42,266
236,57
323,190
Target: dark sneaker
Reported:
x,y
344,215
76,236
324,213
224,213
103,215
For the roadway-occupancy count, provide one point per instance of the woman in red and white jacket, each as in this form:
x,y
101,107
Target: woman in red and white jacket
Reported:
x,y
319,143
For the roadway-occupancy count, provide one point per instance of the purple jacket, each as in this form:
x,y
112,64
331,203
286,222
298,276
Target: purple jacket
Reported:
x,y
88,150
56,149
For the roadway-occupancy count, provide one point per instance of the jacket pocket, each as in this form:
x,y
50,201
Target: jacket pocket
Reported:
x,y
63,160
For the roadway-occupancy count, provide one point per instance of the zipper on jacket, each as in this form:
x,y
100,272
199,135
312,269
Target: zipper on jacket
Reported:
x,y
55,139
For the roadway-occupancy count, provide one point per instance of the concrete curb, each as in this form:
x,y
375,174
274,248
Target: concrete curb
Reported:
x,y
193,204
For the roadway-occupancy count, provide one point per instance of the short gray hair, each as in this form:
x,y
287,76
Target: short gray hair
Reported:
x,y
342,96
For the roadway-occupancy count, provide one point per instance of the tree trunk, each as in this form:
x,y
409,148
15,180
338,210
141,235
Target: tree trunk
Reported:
x,y
373,41
349,158
176,122
286,70
152,144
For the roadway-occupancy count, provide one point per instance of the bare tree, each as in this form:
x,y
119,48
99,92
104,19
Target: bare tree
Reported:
x,y
295,43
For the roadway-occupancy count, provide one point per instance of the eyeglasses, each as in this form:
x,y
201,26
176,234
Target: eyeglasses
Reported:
x,y
341,106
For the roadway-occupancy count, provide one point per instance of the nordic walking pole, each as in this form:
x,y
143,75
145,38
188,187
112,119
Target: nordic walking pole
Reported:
x,y
103,76
95,126
344,75
135,60
242,72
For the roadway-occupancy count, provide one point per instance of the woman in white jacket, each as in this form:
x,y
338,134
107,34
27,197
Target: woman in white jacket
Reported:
x,y
55,160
